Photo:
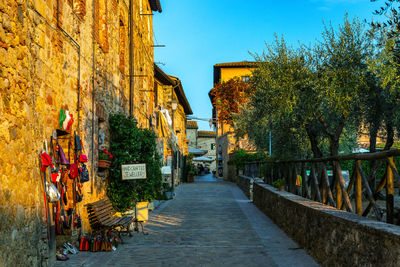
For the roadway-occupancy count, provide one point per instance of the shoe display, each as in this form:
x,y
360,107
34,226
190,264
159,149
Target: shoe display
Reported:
x,y
61,256
73,248
70,248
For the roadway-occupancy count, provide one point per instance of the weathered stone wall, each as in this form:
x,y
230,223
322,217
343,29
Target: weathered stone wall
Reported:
x,y
40,69
333,237
22,228
191,135
205,143
246,184
232,173
143,62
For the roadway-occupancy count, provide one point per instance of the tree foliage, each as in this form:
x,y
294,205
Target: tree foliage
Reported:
x,y
229,97
308,96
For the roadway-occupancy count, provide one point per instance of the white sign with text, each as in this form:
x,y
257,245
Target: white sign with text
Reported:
x,y
133,171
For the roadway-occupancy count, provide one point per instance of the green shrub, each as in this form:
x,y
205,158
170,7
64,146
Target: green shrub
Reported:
x,y
241,157
130,144
278,183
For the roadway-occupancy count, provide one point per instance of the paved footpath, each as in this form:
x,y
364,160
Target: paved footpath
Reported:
x,y
208,223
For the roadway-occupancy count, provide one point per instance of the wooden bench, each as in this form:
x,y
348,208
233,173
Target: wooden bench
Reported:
x,y
102,217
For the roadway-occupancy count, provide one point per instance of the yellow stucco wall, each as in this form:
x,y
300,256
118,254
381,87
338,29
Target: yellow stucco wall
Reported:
x,y
224,128
229,73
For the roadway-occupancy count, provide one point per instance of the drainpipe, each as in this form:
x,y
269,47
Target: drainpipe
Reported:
x,y
131,58
93,89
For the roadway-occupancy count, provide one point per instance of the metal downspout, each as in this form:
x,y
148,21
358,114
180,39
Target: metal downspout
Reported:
x,y
131,58
93,90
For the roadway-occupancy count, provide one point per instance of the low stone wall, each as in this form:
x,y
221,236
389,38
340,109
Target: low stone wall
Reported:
x,y
331,236
246,184
232,173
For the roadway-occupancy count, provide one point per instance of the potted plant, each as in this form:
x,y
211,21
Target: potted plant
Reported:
x,y
105,158
280,184
168,191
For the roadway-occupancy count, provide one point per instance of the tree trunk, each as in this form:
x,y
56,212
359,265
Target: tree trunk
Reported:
x,y
312,136
334,146
373,132
389,134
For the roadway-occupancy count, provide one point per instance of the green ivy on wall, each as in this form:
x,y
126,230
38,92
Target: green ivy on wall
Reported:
x,y
130,144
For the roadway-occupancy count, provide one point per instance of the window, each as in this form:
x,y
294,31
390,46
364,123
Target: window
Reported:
x,y
245,79
212,146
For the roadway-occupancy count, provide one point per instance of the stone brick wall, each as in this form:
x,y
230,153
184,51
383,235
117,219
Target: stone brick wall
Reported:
x,y
191,135
40,68
205,144
232,173
246,184
333,237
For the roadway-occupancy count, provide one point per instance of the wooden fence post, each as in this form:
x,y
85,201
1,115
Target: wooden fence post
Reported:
x,y
304,180
358,188
369,192
316,184
328,188
389,192
342,186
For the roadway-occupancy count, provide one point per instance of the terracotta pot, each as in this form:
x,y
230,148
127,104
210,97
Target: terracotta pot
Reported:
x,y
282,188
103,163
190,178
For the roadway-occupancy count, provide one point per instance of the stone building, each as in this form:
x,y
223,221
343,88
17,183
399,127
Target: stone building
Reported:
x,y
80,56
206,141
201,143
191,133
171,109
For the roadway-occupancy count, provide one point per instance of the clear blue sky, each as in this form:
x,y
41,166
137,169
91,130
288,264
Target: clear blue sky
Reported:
x,y
201,33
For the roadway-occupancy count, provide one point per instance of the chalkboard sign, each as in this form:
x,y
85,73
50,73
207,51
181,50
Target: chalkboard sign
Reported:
x,y
133,171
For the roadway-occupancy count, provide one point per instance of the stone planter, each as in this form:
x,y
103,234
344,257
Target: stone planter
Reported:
x,y
151,205
105,164
168,194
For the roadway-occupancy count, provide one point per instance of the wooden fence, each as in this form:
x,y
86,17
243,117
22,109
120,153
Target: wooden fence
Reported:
x,y
317,185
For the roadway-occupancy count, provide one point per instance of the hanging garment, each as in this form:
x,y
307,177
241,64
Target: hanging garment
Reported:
x,y
63,158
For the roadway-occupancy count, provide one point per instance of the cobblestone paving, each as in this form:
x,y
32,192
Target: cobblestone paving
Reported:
x,y
208,223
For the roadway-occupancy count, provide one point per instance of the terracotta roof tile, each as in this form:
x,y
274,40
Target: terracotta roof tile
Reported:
x,y
191,125
206,134
237,64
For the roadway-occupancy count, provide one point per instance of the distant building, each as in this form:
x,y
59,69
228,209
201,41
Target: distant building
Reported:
x,y
201,142
191,133
225,140
206,141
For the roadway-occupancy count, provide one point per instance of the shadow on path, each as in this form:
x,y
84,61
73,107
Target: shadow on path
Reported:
x,y
209,223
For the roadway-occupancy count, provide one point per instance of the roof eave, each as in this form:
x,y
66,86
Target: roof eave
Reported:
x,y
182,98
162,76
155,5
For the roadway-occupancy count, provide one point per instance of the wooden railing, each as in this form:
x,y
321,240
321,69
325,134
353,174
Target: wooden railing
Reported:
x,y
317,185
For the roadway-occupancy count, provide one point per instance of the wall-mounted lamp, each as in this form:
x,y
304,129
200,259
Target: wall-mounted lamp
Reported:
x,y
174,105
